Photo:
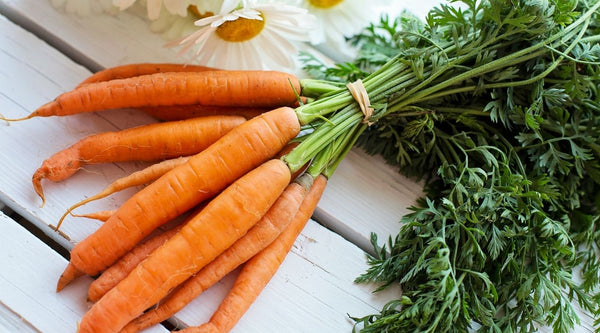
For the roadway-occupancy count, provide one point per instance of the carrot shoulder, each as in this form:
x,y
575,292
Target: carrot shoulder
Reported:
x,y
225,219
261,235
259,270
137,69
201,177
151,142
217,88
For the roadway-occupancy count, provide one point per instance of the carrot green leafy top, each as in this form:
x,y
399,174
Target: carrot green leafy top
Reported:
x,y
496,104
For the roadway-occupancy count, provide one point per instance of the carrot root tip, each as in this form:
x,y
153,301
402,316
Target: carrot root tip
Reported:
x,y
70,273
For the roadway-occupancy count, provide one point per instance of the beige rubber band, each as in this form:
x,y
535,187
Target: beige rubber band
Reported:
x,y
358,91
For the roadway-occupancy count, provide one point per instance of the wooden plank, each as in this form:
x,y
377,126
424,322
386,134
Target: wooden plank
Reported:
x,y
28,300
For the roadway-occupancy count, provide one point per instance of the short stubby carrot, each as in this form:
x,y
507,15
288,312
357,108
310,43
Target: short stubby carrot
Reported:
x,y
179,112
248,88
259,270
261,235
201,177
151,142
225,219
137,69
141,177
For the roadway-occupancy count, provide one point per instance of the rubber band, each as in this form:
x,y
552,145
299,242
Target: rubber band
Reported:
x,y
359,93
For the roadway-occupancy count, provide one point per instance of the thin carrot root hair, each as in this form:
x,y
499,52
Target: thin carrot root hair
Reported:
x,y
138,178
259,270
102,216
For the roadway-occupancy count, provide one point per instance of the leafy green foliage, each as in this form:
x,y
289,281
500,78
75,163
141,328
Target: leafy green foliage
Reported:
x,y
499,111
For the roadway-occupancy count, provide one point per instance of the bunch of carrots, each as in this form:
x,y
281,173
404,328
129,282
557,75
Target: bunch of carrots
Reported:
x,y
224,189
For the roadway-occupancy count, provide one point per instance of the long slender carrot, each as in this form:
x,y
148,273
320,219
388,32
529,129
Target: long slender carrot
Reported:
x,y
151,142
201,177
141,177
225,219
261,235
259,270
217,88
137,69
178,112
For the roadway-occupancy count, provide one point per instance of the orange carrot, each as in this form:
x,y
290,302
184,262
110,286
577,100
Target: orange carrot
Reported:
x,y
143,143
225,219
262,234
117,272
131,70
260,269
216,88
102,215
178,112
201,177
120,269
141,177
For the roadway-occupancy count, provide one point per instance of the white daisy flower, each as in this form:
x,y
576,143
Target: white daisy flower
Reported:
x,y
338,19
84,7
247,35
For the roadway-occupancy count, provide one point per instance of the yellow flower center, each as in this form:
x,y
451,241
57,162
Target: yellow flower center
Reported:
x,y
241,29
195,11
324,3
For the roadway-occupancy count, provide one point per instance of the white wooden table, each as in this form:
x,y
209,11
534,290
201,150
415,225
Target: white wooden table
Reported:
x,y
44,52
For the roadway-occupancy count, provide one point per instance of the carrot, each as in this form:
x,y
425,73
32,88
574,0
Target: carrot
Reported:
x,y
216,88
257,272
141,177
131,70
143,143
182,188
225,219
178,112
103,215
117,272
262,234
